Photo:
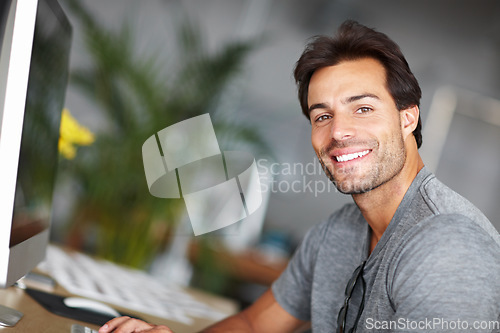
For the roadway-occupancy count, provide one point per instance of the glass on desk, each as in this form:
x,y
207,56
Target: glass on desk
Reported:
x,y
75,328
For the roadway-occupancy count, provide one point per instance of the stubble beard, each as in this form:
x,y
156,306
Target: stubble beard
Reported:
x,y
388,165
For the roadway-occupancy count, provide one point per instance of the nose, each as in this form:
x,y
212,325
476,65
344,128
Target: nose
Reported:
x,y
342,127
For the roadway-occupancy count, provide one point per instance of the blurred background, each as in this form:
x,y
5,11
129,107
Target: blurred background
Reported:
x,y
138,67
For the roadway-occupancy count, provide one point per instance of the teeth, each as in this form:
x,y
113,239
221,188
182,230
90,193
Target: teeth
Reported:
x,y
348,157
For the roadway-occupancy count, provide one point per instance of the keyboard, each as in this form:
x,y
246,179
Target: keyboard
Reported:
x,y
125,287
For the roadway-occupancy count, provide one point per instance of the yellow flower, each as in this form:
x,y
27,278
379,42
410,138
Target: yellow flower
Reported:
x,y
71,134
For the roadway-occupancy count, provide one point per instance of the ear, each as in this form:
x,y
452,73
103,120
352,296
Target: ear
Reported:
x,y
409,120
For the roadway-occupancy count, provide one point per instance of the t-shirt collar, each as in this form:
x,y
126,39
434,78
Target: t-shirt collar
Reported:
x,y
402,209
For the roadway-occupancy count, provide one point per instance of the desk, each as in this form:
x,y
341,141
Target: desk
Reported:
x,y
37,319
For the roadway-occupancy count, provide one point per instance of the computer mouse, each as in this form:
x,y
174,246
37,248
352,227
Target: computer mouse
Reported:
x,y
90,305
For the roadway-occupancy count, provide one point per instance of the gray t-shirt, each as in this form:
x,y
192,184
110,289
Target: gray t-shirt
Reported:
x,y
435,268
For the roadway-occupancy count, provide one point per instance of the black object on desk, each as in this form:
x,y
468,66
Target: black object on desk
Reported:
x,y
55,304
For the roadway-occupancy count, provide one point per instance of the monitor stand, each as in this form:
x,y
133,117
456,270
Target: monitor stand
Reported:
x,y
8,316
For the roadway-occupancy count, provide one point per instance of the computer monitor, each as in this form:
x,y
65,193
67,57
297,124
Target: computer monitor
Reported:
x,y
35,39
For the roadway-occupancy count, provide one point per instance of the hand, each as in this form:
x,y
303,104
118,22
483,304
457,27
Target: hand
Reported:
x,y
131,325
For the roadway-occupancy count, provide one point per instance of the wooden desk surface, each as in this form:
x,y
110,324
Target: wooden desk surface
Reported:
x,y
38,320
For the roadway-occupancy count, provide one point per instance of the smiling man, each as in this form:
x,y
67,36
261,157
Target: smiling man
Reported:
x,y
410,254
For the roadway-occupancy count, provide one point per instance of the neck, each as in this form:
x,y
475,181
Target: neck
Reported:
x,y
379,205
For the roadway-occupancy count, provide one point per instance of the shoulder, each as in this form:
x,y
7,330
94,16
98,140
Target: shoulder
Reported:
x,y
448,244
440,263
444,232
443,201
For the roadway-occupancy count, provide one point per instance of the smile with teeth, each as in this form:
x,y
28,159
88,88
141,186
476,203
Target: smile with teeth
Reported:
x,y
349,157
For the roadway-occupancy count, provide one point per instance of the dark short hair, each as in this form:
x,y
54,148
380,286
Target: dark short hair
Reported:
x,y
355,41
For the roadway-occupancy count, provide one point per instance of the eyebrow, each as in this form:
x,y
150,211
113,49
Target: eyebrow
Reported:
x,y
358,97
347,100
317,106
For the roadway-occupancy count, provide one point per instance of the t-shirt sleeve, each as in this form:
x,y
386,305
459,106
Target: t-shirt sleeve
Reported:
x,y
292,290
448,274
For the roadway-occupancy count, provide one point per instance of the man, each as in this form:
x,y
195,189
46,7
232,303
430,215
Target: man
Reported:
x,y
410,254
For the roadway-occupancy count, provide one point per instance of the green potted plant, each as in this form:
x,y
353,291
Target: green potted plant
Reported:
x,y
115,215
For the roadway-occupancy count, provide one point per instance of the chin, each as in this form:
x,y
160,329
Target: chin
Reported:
x,y
353,183
350,188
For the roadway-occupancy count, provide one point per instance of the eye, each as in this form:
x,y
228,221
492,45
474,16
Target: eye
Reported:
x,y
322,118
363,110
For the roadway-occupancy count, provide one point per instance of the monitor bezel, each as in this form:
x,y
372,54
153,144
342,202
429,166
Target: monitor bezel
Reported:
x,y
15,62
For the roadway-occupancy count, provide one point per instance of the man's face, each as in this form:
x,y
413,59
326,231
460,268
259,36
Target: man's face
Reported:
x,y
356,127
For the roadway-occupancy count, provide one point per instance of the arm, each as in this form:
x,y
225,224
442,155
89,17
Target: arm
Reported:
x,y
293,289
265,315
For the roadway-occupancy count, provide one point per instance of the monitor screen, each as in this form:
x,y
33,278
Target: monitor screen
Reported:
x,y
33,81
